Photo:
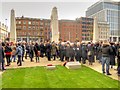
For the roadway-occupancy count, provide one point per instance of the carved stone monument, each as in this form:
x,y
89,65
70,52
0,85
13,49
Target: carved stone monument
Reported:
x,y
54,25
12,27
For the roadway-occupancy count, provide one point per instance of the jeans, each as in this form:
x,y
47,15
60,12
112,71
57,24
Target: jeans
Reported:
x,y
14,58
19,60
105,60
2,65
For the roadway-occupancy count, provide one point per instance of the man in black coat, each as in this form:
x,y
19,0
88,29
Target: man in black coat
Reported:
x,y
48,51
23,49
1,57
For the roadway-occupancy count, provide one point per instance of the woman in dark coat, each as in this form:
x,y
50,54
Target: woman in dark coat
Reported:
x,y
48,51
42,50
90,53
8,51
31,52
72,52
67,52
84,53
112,55
54,51
36,50
78,52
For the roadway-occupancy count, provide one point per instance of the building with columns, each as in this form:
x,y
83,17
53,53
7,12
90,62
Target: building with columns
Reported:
x,y
107,11
3,31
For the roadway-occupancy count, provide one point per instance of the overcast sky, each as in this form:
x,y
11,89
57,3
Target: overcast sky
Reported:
x,y
67,9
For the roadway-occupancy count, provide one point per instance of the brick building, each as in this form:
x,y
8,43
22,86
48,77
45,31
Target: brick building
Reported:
x,y
3,31
87,28
80,29
70,30
32,29
36,29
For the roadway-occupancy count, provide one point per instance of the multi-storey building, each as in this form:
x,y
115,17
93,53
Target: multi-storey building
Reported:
x,y
70,30
103,29
80,29
87,28
3,31
35,29
32,29
107,11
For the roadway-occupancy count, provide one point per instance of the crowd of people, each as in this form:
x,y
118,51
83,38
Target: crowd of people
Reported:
x,y
103,52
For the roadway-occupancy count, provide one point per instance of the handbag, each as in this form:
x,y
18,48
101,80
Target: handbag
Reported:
x,y
38,53
89,53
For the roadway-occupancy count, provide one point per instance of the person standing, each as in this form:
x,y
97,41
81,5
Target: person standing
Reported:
x,y
8,51
1,57
54,51
62,50
112,55
106,49
26,49
118,58
19,54
13,54
37,50
90,53
31,52
84,53
23,49
48,50
78,52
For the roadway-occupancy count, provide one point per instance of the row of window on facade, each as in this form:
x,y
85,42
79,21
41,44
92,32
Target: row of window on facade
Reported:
x,y
28,33
33,23
71,25
87,26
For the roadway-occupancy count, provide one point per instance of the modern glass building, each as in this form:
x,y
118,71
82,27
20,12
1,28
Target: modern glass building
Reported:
x,y
107,10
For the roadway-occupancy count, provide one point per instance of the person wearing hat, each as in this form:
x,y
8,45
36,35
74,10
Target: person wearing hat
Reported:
x,y
106,49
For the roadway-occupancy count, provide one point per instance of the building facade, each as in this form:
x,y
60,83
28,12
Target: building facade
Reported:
x,y
107,11
80,29
87,28
70,30
3,31
32,29
103,30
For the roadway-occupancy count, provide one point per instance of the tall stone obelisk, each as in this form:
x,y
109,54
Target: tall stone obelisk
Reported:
x,y
54,25
95,31
12,27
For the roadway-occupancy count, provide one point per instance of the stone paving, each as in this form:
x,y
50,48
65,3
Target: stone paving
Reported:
x,y
43,62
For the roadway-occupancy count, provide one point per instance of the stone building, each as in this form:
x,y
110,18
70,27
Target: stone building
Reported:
x,y
3,31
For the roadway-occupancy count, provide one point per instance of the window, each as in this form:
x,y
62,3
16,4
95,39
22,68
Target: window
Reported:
x,y
41,23
29,22
33,27
18,22
24,22
29,28
33,23
37,23
24,27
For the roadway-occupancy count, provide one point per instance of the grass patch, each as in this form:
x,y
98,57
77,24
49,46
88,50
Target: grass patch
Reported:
x,y
40,77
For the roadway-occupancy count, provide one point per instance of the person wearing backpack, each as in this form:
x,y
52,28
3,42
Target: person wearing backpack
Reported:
x,y
19,54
